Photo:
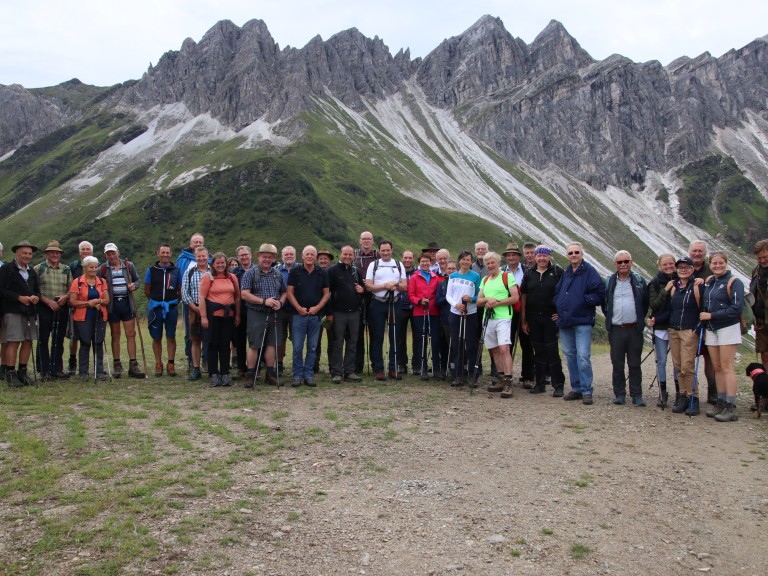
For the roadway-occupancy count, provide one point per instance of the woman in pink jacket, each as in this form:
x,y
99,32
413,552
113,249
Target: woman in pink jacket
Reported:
x,y
422,287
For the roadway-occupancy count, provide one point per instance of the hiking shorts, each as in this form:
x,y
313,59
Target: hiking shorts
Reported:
x,y
725,336
156,322
498,333
121,310
257,321
15,328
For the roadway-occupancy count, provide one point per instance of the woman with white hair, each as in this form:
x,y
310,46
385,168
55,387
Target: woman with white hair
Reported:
x,y
88,298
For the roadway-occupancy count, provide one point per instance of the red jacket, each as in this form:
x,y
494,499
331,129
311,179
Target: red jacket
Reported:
x,y
418,288
80,288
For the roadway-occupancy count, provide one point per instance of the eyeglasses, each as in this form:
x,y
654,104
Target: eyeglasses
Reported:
x,y
574,252
685,267
620,262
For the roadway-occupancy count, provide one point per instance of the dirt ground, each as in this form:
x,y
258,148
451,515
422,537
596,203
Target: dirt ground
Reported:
x,y
418,478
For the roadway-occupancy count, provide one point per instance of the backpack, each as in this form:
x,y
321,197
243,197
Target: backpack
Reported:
x,y
747,315
517,306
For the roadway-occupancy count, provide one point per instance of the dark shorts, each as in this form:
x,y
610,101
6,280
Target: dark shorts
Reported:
x,y
121,310
156,322
257,321
18,328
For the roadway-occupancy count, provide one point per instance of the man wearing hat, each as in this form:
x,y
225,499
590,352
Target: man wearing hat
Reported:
x,y
324,259
122,280
431,251
516,269
55,279
20,291
264,292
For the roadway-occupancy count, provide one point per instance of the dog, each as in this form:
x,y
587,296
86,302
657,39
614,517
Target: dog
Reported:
x,y
759,377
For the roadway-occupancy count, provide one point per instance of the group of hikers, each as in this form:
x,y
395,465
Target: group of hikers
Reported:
x,y
238,314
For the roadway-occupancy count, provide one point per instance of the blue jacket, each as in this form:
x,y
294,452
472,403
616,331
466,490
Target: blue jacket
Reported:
x,y
725,310
639,291
683,306
577,294
186,258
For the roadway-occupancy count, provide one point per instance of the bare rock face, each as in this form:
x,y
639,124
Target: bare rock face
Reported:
x,y
25,117
240,74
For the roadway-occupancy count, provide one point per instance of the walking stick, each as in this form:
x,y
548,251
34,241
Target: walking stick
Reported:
x,y
392,332
277,375
32,345
135,311
55,336
424,332
487,316
263,340
696,371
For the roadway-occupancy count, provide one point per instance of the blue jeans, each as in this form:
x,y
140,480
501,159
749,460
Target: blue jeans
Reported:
x,y
304,328
576,343
662,349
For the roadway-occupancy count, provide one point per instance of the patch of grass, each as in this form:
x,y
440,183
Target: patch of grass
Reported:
x,y
583,481
547,531
579,551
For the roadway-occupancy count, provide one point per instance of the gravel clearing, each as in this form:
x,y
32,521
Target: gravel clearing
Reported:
x,y
414,478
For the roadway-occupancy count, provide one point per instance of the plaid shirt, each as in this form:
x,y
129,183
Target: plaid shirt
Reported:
x,y
266,285
190,287
53,281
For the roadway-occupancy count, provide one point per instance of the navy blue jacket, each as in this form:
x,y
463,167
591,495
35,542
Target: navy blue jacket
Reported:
x,y
639,291
683,306
725,311
577,295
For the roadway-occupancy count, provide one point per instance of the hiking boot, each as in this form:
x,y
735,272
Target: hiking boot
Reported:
x,y
380,376
226,380
587,399
45,377
102,376
456,383
663,399
395,375
719,407
310,382
693,408
639,402
13,379
353,378
61,375
170,369
194,375
84,377
506,391
215,380
250,378
619,400
271,379
528,384
728,414
681,403
117,370
24,377
336,379
538,389
557,392
572,395
133,369
424,375
495,387
158,369
296,383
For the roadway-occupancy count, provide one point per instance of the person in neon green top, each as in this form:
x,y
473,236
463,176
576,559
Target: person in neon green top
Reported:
x,y
498,300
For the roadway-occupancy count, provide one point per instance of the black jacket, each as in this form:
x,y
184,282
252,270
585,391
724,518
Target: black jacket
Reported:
x,y
12,285
539,289
639,291
341,284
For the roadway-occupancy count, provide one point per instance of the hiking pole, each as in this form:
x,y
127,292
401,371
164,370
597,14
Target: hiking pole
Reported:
x,y
277,375
696,371
487,316
651,351
55,336
424,329
366,339
141,341
32,345
393,335
515,338
261,348
105,354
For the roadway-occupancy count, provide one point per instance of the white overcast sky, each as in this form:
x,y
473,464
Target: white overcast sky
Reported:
x,y
45,42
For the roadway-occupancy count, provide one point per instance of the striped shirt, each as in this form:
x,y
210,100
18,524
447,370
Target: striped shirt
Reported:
x,y
190,285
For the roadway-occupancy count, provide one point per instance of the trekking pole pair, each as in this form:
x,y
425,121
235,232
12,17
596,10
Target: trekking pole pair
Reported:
x,y
487,316
426,343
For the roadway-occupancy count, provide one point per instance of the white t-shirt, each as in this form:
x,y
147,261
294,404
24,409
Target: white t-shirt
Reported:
x,y
385,272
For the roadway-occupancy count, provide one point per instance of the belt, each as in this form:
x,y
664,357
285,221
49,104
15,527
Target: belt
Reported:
x,y
380,299
120,298
632,325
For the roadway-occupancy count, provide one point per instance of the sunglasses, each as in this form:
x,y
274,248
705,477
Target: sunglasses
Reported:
x,y
622,262
574,252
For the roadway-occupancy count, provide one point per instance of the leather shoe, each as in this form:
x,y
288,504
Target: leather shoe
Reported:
x,y
572,396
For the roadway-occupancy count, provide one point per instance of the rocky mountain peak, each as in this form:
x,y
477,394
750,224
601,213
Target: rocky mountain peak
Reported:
x,y
555,46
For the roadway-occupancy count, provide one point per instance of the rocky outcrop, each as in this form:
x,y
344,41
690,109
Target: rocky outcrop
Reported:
x,y
240,74
25,117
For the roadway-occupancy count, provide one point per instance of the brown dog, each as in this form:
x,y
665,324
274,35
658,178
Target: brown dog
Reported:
x,y
759,386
